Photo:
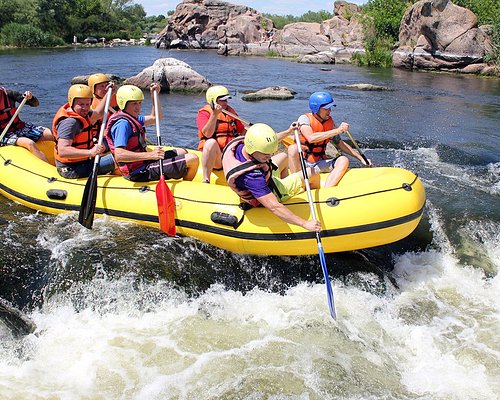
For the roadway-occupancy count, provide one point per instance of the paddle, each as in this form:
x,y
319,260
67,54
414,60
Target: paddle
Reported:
x,y
87,208
358,149
6,129
164,197
321,253
236,117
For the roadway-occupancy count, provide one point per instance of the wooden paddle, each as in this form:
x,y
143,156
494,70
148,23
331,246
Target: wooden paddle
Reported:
x,y
238,118
6,129
358,149
321,253
164,197
87,208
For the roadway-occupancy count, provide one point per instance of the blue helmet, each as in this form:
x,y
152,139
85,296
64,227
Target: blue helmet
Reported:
x,y
320,100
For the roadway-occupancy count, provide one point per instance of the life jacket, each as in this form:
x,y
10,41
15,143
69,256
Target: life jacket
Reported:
x,y
316,151
82,140
233,168
225,128
136,142
7,111
96,128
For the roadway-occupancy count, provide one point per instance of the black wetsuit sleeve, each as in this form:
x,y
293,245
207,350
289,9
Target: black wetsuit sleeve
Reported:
x,y
16,96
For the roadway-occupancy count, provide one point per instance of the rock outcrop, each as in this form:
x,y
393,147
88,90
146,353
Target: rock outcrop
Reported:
x,y
437,34
239,30
173,76
212,24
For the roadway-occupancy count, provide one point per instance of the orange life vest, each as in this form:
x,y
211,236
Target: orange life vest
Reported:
x,y
233,168
7,111
82,140
316,151
225,128
113,105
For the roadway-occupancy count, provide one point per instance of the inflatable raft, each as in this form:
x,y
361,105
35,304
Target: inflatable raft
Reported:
x,y
369,207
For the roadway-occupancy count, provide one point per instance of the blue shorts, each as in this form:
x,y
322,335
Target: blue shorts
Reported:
x,y
322,165
83,169
28,131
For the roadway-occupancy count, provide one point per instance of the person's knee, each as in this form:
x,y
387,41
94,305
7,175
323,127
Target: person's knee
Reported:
x,y
26,143
192,160
342,163
292,150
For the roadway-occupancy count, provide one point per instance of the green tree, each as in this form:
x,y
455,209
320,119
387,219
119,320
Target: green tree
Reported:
x,y
386,16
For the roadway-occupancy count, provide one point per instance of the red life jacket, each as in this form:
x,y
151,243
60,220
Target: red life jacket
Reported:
x,y
225,128
136,142
233,168
96,128
7,111
82,140
316,151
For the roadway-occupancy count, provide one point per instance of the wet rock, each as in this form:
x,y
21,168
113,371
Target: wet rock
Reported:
x,y
272,93
366,87
15,320
173,75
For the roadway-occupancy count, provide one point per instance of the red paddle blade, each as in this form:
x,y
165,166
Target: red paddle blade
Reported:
x,y
166,207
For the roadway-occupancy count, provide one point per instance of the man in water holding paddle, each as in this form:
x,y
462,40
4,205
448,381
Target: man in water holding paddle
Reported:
x,y
216,129
20,133
316,130
126,137
75,140
258,177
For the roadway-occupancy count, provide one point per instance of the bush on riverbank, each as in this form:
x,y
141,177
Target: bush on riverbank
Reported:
x,y
24,35
280,21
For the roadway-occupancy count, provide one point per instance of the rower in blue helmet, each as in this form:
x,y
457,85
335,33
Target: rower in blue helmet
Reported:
x,y
316,129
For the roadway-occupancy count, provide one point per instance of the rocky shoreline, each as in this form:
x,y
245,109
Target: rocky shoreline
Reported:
x,y
434,35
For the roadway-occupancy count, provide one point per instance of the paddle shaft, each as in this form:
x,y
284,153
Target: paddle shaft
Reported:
x,y
357,148
164,197
87,208
103,125
321,253
157,123
236,117
6,129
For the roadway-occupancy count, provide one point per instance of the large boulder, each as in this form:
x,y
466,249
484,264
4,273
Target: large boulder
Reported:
x,y
207,24
437,34
173,76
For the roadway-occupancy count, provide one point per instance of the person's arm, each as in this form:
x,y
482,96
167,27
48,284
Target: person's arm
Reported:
x,y
314,137
209,128
98,113
121,133
18,97
123,155
272,204
66,150
347,149
283,134
151,118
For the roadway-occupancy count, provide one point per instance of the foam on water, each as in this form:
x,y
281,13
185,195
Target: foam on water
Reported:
x,y
434,337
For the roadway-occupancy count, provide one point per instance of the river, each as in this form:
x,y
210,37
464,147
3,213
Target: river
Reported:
x,y
124,312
